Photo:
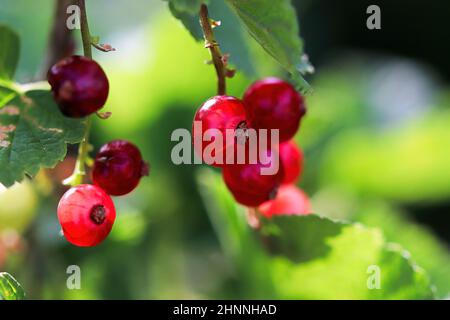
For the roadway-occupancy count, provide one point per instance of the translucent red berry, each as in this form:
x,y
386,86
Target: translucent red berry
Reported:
x,y
211,122
118,167
272,103
79,85
86,214
250,184
292,161
290,200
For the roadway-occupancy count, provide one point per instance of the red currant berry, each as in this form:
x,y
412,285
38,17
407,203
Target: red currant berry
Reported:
x,y
118,167
86,214
212,120
79,85
290,200
272,103
292,161
250,185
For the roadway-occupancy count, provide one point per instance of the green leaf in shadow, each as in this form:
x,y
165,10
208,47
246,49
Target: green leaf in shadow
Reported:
x,y
9,52
33,134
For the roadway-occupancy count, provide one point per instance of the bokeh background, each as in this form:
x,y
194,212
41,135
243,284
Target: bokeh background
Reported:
x,y
376,140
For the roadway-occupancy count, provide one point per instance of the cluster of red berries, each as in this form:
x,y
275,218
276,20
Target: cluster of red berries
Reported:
x,y
270,104
86,212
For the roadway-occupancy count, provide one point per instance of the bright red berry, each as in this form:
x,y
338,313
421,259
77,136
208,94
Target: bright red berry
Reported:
x,y
212,120
292,161
79,85
118,167
272,103
86,214
290,200
251,186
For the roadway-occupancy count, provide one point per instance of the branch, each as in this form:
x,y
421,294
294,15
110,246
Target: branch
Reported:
x,y
213,46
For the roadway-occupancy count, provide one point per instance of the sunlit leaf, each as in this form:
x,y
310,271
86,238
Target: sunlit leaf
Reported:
x,y
10,288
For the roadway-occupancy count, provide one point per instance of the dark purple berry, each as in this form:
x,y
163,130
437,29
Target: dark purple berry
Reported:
x,y
118,167
79,85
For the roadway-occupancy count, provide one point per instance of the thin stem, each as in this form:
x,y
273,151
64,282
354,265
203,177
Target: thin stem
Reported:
x,y
11,86
39,85
21,89
83,149
85,34
213,46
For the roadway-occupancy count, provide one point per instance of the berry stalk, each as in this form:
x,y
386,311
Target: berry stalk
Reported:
x,y
84,26
83,149
213,46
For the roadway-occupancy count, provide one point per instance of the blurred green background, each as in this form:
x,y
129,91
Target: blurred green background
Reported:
x,y
376,140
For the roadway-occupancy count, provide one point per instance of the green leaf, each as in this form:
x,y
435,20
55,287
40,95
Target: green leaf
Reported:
x,y
310,257
306,247
274,26
9,52
191,7
10,289
341,258
33,134
187,12
429,252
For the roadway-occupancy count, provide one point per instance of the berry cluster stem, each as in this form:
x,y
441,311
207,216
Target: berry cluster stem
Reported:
x,y
213,46
84,28
83,149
